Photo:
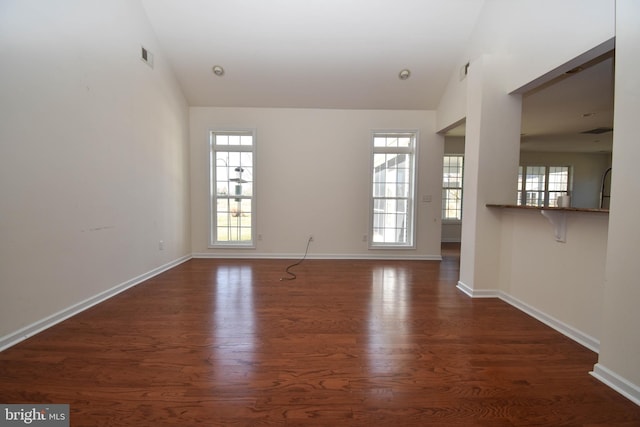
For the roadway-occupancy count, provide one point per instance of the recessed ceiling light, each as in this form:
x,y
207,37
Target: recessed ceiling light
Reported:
x,y
404,74
218,70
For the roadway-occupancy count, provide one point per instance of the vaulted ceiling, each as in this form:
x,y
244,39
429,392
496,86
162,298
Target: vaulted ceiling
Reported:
x,y
349,53
314,53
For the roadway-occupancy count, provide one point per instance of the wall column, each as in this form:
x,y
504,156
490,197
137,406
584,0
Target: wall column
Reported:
x,y
492,152
619,360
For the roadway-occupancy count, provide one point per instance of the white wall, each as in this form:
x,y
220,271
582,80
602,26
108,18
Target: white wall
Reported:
x,y
561,281
540,35
536,37
619,362
93,157
540,39
313,177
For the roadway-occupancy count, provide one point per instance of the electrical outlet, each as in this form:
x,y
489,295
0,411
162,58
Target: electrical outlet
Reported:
x,y
161,245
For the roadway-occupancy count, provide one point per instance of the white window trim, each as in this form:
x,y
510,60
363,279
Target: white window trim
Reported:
x,y
411,211
212,243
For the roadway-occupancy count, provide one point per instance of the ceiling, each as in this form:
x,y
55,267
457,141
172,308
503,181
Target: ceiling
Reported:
x,y
314,53
348,54
556,116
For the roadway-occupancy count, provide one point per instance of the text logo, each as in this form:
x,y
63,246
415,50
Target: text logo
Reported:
x,y
41,415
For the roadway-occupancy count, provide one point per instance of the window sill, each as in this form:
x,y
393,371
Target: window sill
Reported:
x,y
392,247
232,246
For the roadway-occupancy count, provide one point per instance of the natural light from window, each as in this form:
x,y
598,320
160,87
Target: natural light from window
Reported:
x,y
232,167
393,189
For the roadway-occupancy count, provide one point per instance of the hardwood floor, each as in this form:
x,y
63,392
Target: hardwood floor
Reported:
x,y
353,343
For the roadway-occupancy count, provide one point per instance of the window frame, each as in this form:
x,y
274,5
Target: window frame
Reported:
x,y
461,188
521,191
213,241
412,152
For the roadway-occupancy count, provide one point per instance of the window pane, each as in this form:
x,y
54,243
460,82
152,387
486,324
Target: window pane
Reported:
x,y
390,220
535,185
519,200
558,178
391,176
233,219
451,204
558,183
404,141
234,138
394,140
535,178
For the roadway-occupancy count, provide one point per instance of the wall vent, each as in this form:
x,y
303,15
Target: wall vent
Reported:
x,y
146,56
464,70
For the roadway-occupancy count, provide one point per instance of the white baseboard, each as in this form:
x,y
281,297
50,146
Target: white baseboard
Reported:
x,y
253,255
621,385
567,330
39,326
478,293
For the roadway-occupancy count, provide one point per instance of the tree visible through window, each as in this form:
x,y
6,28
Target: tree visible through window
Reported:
x,y
452,187
393,189
232,156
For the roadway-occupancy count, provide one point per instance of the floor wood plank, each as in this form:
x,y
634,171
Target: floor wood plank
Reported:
x,y
357,343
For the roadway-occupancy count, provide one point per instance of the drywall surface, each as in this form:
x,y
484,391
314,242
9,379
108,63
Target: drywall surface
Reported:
x,y
314,177
93,156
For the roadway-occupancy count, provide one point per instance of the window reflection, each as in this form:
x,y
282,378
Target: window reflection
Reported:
x,y
234,319
388,316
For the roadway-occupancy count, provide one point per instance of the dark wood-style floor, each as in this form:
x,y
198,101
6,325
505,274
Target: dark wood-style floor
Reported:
x,y
349,343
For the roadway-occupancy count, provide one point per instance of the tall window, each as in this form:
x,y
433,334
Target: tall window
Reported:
x,y
232,172
541,185
393,171
452,187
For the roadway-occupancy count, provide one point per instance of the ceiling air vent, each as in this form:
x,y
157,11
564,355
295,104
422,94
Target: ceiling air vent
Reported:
x,y
598,131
